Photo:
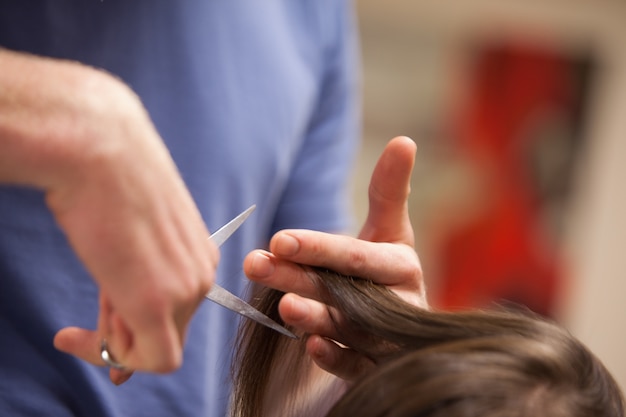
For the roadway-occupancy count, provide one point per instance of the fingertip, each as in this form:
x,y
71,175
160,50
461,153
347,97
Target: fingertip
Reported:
x,y
63,339
57,340
318,348
405,141
285,244
84,344
337,359
258,265
404,149
293,309
326,354
118,377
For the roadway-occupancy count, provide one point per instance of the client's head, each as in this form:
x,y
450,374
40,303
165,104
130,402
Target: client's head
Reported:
x,y
486,377
496,363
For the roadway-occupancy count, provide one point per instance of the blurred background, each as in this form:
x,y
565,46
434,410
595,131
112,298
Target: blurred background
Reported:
x,y
518,108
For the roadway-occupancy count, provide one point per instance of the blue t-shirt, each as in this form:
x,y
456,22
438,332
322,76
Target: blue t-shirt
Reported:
x,y
257,102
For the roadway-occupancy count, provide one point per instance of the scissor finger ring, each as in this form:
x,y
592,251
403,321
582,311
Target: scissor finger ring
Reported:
x,y
108,358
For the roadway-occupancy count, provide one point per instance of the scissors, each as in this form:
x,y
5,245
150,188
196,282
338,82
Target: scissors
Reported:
x,y
226,299
218,294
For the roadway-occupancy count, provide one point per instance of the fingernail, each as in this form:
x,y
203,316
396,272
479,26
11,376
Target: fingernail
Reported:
x,y
262,266
286,245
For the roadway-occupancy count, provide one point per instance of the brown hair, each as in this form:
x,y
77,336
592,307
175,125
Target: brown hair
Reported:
x,y
433,364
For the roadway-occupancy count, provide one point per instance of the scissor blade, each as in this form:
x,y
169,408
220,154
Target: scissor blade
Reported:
x,y
224,232
226,299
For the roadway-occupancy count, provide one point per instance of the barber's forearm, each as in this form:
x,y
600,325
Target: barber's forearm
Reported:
x,y
53,115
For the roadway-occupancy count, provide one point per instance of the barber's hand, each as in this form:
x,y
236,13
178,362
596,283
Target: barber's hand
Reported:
x,y
383,253
132,222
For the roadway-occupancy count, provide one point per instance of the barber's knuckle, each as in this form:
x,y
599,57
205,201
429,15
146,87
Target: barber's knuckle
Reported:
x,y
193,281
174,362
155,302
410,267
169,362
207,275
412,272
204,285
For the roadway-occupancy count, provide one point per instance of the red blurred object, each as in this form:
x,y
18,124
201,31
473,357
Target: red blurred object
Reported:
x,y
521,122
